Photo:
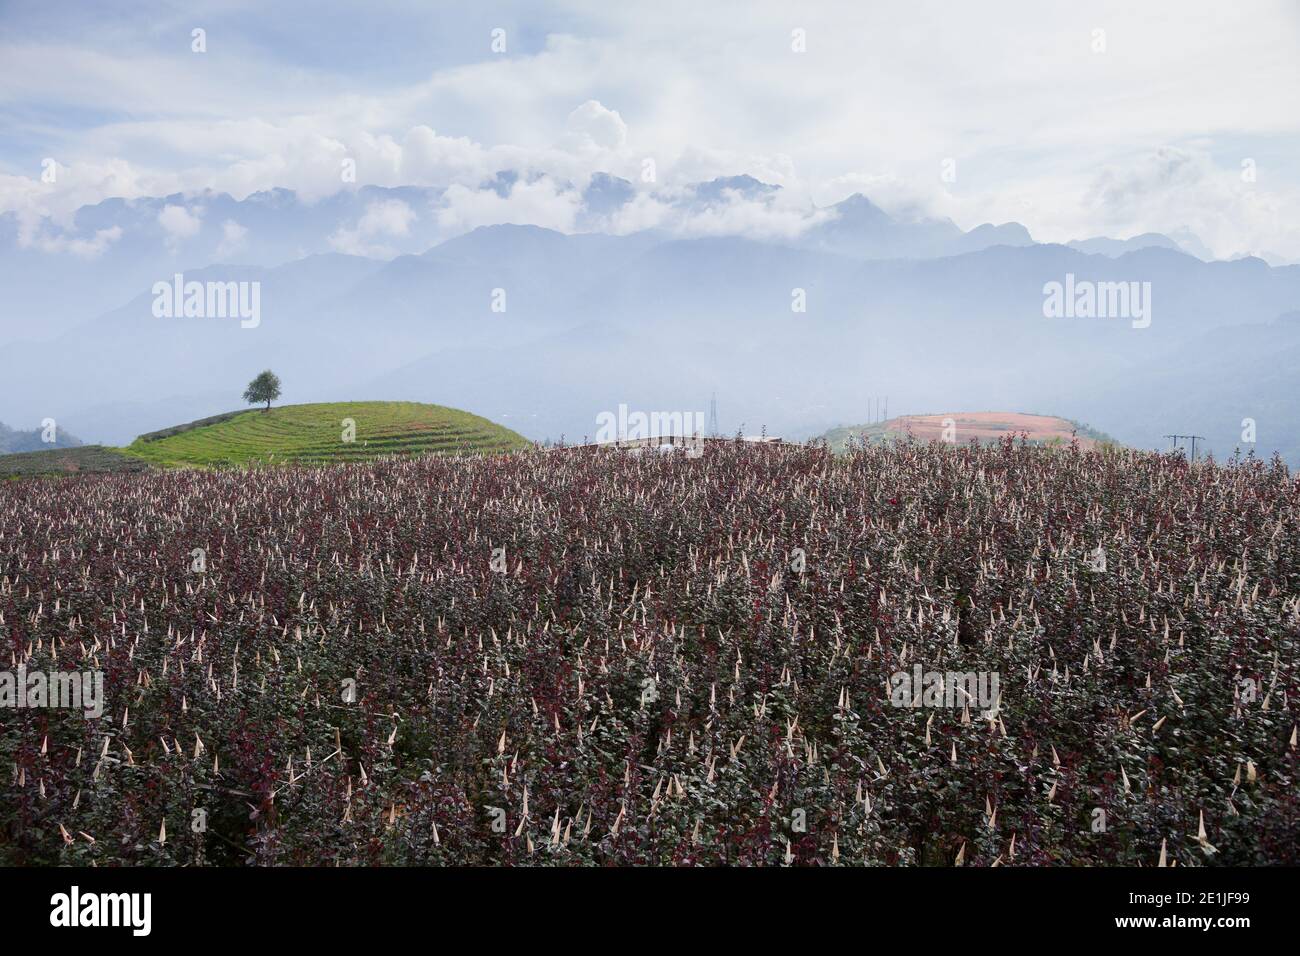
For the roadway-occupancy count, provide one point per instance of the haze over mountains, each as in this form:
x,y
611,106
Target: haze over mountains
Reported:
x,y
382,293
13,441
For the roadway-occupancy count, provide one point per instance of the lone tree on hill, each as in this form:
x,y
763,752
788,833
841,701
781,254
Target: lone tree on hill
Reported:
x,y
264,388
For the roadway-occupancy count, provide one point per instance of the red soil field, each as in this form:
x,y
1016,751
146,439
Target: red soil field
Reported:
x,y
988,426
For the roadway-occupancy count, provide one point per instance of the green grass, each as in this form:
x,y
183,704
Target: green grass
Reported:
x,y
839,438
68,461
313,434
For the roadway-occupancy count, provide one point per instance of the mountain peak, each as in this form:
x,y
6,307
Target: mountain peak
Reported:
x,y
500,238
744,184
858,203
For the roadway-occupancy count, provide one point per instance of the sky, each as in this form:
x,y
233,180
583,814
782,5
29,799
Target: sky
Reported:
x,y
1075,119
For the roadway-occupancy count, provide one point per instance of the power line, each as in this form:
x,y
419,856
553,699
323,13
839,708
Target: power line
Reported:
x,y
1194,439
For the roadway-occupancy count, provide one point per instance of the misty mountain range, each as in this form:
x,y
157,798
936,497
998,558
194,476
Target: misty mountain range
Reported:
x,y
935,317
13,441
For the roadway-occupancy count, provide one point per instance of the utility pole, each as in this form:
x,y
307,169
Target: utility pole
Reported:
x,y
1193,438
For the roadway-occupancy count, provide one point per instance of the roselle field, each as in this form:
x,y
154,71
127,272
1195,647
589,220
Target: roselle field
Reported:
x,y
673,661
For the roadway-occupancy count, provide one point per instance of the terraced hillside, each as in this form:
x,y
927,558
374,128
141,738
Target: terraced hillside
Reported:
x,y
320,433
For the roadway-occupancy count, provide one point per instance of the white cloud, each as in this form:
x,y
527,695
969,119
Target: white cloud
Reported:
x,y
884,93
592,126
779,215
745,217
232,238
540,203
1173,187
387,218
39,236
391,217
180,223
643,212
79,184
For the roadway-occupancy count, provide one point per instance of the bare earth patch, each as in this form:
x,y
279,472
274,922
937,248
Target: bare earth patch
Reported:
x,y
987,426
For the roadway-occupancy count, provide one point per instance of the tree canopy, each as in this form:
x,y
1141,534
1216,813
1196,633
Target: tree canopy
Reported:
x,y
264,388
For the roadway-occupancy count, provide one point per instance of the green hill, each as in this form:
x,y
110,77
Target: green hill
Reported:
x,y
312,434
316,434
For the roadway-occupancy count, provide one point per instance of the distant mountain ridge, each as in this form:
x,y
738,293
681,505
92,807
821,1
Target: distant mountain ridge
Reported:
x,y
13,440
56,274
543,330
